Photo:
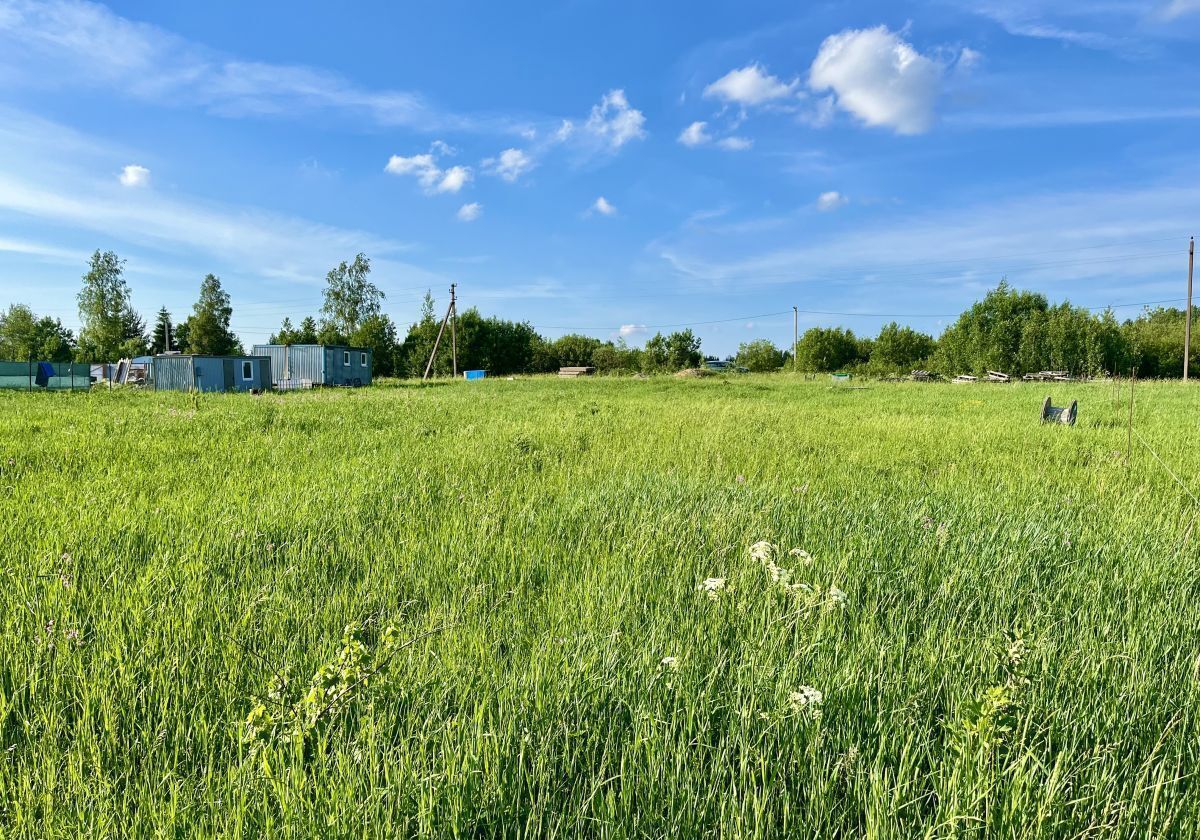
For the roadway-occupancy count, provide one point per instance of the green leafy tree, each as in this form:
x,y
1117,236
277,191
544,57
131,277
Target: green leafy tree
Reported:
x,y
827,349
111,327
24,336
306,333
683,350
655,357
759,356
378,333
616,358
575,350
350,299
900,348
208,330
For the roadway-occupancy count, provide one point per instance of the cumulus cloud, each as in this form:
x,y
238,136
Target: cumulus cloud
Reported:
x,y
425,168
614,122
630,330
879,78
749,85
831,200
135,176
735,144
602,206
470,212
695,134
510,164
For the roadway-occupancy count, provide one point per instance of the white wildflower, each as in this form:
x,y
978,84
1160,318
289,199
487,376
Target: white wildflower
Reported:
x,y
802,555
671,663
712,587
837,597
806,699
762,551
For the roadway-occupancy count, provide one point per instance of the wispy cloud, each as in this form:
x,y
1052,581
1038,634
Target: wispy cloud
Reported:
x,y
509,165
82,44
470,212
1095,246
831,200
72,193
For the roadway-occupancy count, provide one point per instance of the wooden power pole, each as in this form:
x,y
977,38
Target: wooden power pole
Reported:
x,y
451,313
795,337
1187,325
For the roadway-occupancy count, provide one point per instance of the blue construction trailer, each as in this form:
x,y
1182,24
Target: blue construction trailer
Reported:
x,y
314,365
178,372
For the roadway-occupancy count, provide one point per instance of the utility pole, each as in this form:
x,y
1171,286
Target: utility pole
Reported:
x,y
454,330
795,337
451,311
1187,325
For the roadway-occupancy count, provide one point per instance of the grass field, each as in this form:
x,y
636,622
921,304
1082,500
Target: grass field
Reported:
x,y
997,634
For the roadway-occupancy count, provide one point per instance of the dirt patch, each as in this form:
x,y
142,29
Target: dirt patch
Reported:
x,y
696,373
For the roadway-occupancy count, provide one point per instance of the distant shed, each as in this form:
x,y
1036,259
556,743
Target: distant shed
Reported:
x,y
306,365
177,372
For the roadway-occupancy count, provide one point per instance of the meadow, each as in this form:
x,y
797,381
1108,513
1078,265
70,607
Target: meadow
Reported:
x,y
733,607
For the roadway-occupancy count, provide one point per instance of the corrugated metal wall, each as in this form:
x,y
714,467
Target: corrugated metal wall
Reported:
x,y
320,364
210,373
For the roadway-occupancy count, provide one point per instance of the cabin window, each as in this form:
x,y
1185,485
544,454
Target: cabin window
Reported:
x,y
247,372
346,358
362,359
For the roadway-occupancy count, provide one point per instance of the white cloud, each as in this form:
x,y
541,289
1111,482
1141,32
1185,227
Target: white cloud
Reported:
x,y
831,200
879,78
695,134
454,179
1179,8
602,206
630,330
422,166
750,85
510,165
78,44
135,176
614,122
429,174
735,144
1091,245
470,212
968,59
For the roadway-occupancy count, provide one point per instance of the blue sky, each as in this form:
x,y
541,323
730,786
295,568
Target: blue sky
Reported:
x,y
604,167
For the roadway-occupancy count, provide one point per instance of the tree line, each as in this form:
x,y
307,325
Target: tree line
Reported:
x,y
1009,330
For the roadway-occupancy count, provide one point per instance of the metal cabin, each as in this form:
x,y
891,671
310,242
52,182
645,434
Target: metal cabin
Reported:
x,y
311,365
176,372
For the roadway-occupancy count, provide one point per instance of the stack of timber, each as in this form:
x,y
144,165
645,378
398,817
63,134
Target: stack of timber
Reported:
x,y
922,376
576,371
1048,376
964,377
997,376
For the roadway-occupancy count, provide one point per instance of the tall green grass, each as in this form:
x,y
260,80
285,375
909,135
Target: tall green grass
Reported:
x,y
1017,654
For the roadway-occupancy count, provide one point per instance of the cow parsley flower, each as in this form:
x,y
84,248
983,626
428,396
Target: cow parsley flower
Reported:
x,y
762,551
671,663
712,587
837,597
802,555
806,700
